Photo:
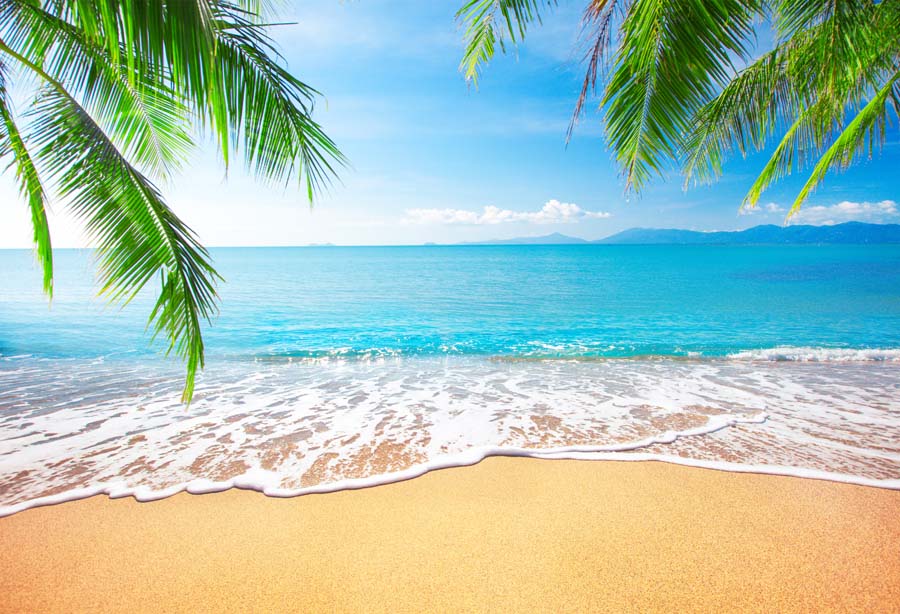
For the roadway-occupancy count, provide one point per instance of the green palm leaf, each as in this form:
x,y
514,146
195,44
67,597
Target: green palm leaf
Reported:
x,y
139,110
860,135
127,83
672,57
596,25
488,22
806,86
272,109
673,94
138,236
29,183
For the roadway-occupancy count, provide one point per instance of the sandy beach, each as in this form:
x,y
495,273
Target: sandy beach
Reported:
x,y
504,535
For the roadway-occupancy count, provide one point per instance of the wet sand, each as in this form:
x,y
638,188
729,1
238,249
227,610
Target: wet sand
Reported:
x,y
505,535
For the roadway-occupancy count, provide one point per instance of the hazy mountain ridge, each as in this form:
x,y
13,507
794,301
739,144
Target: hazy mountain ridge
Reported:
x,y
848,233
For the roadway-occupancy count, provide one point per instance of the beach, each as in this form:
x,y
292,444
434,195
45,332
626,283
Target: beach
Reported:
x,y
508,534
587,428
292,319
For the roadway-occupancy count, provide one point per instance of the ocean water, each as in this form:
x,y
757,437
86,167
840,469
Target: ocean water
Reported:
x,y
332,368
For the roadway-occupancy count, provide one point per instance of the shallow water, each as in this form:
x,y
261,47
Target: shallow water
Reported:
x,y
333,368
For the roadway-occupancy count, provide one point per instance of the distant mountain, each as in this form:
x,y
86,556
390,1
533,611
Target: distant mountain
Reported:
x,y
850,232
552,239
770,234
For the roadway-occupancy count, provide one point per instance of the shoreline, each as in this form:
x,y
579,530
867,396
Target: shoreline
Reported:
x,y
507,533
625,454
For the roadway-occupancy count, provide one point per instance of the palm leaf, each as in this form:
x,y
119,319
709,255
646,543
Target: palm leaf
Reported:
x,y
487,22
596,30
806,86
672,57
214,58
126,79
138,237
29,184
271,108
137,109
860,134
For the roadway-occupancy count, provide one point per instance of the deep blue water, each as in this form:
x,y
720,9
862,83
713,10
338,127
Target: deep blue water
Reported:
x,y
494,300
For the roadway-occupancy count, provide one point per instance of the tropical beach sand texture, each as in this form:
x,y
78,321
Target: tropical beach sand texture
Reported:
x,y
505,535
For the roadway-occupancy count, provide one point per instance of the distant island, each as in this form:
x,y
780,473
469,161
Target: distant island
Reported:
x,y
769,234
847,233
551,239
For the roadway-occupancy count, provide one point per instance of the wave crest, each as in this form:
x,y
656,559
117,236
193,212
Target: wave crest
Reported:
x,y
818,354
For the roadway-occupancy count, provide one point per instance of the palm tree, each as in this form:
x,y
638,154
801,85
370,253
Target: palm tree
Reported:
x,y
121,90
675,90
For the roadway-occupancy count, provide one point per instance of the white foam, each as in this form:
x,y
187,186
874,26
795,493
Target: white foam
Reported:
x,y
462,459
465,459
816,354
268,427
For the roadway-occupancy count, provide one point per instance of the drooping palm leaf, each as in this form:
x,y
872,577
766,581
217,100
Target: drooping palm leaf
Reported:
x,y
220,59
126,85
673,94
487,23
597,26
807,86
29,183
860,135
672,57
271,110
138,237
745,114
139,110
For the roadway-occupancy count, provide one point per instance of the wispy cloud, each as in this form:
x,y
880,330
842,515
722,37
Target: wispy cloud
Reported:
x,y
767,209
881,212
847,211
553,212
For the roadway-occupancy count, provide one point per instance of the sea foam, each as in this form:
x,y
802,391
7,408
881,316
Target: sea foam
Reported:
x,y
813,354
71,429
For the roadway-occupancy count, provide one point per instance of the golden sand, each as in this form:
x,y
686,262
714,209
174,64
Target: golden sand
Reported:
x,y
506,535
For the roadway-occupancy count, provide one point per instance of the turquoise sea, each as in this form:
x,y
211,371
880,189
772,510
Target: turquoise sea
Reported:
x,y
547,301
343,366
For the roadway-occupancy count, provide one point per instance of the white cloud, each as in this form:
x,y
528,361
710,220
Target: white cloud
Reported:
x,y
847,211
769,208
553,212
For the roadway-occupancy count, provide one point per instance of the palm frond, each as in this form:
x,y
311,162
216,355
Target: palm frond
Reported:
x,y
138,237
806,86
128,82
486,24
596,31
673,56
801,142
747,112
794,16
214,58
270,109
138,109
29,183
860,135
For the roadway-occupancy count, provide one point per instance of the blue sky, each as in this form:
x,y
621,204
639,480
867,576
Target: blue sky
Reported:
x,y
436,160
